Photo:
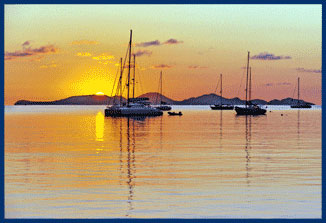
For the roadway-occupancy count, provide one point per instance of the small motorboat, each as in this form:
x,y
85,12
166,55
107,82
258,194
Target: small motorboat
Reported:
x,y
175,113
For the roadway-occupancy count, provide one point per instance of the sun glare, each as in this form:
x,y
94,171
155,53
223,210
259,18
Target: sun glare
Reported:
x,y
100,93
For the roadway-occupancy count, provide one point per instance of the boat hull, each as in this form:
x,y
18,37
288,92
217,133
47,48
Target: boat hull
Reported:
x,y
175,113
222,107
300,106
164,108
250,111
129,112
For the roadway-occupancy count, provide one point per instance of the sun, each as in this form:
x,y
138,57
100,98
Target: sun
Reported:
x,y
100,93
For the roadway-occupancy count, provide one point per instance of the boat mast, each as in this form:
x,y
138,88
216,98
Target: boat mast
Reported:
x,y
247,80
221,88
134,80
120,80
298,89
250,85
161,90
128,84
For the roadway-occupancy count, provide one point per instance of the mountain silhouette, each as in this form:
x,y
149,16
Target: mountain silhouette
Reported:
x,y
154,98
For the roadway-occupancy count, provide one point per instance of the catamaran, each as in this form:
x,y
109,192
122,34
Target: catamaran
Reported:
x,y
133,106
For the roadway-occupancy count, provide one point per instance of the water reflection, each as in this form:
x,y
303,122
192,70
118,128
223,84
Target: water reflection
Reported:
x,y
248,147
259,169
161,133
120,147
99,126
128,130
298,126
127,157
221,124
130,162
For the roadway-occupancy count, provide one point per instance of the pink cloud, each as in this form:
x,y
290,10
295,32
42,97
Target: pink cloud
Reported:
x,y
140,53
150,43
172,41
162,66
27,52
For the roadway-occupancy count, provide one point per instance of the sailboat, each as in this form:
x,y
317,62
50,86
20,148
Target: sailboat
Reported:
x,y
249,109
300,104
134,106
162,105
221,106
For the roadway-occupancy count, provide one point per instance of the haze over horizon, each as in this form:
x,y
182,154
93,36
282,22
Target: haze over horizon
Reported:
x,y
57,51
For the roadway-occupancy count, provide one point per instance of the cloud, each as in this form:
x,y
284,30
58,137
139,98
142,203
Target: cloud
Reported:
x,y
172,41
103,56
300,69
84,54
150,43
84,42
197,67
27,52
269,56
158,43
277,84
162,66
26,43
140,53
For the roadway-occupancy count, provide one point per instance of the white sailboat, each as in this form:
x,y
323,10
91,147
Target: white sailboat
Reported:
x,y
133,106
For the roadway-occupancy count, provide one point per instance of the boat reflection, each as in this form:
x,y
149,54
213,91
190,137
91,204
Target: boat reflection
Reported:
x,y
221,125
248,148
127,157
131,170
298,126
127,131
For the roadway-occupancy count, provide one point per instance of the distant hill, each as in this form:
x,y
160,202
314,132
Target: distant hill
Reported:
x,y
75,100
207,99
288,101
154,98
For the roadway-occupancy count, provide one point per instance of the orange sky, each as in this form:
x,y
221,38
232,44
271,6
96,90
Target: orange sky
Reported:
x,y
56,51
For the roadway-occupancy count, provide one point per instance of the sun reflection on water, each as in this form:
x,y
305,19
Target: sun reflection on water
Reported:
x,y
99,126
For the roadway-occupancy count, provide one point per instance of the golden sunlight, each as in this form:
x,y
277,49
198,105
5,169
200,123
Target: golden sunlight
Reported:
x,y
100,93
99,126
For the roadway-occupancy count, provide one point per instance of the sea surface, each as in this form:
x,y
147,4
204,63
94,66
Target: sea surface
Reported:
x,y
72,162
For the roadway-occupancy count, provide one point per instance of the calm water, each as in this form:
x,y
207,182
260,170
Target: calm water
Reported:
x,y
72,162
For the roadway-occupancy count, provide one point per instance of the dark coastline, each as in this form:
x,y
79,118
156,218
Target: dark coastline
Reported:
x,y
207,99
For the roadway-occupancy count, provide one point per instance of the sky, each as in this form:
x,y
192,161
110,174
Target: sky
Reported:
x,y
57,51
